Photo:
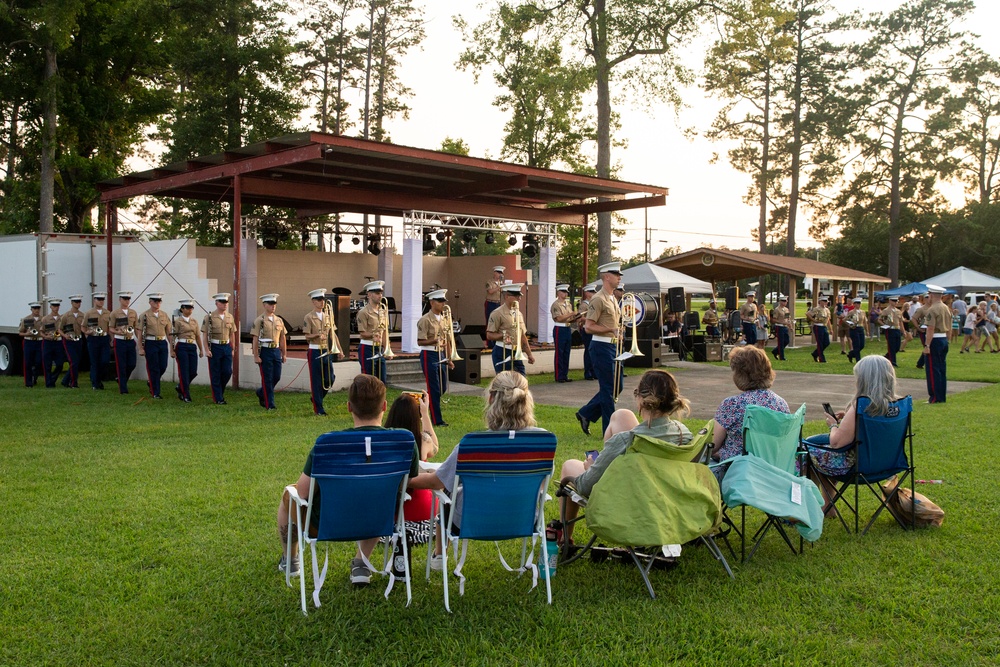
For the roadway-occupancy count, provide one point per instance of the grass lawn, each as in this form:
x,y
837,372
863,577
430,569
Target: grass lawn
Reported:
x,y
140,533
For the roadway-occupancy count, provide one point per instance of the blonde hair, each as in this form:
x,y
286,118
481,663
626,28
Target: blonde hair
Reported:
x,y
658,394
509,403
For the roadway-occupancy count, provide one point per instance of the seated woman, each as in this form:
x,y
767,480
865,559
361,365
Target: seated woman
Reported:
x,y
874,378
657,399
509,407
411,411
753,376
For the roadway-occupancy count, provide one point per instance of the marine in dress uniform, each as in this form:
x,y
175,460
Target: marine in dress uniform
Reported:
x,y
221,337
819,318
564,315
779,320
71,326
154,343
434,352
748,319
374,340
96,325
53,353
588,366
269,349
493,296
503,330
187,348
711,321
938,320
31,344
124,325
319,331
603,320
918,324
856,320
891,321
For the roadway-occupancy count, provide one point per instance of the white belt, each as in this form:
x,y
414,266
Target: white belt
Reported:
x,y
367,342
502,346
428,348
266,340
268,346
121,337
156,337
216,341
937,335
783,326
923,326
604,339
189,341
560,324
314,346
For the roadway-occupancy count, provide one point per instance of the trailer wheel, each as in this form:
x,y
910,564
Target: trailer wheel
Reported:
x,y
10,357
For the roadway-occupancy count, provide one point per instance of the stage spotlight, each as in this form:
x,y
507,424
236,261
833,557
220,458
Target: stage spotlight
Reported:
x,y
441,236
530,246
512,240
428,242
338,239
469,236
490,239
374,249
355,240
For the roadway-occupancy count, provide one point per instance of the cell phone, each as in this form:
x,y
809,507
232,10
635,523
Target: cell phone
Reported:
x,y
829,410
415,394
592,455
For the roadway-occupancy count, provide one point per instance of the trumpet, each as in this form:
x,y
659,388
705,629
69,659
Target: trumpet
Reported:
x,y
628,317
33,331
129,331
98,331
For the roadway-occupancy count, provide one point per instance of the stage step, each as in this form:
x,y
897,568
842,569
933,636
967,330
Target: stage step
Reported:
x,y
404,372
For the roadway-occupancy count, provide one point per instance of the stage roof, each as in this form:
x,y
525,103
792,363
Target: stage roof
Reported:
x,y
720,264
322,174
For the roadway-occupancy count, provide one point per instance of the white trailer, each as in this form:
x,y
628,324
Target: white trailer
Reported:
x,y
41,266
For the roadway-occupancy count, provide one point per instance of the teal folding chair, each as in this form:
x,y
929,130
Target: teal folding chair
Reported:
x,y
498,495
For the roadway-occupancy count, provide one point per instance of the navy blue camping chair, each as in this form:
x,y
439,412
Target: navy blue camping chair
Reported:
x,y
499,491
884,449
357,491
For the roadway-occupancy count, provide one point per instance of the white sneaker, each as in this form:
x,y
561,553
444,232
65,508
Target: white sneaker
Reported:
x,y
437,563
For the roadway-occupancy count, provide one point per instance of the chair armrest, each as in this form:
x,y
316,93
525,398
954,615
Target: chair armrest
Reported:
x,y
293,494
442,496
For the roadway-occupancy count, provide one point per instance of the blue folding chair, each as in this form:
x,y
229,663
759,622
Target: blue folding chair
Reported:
x,y
883,448
499,491
357,490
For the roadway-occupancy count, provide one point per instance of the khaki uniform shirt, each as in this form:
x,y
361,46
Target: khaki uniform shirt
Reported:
x,y
155,324
604,310
49,326
561,309
918,315
748,312
123,318
313,325
186,331
502,322
494,298
711,317
71,324
938,315
97,318
218,327
856,318
367,320
268,329
891,317
28,323
780,316
432,326
819,315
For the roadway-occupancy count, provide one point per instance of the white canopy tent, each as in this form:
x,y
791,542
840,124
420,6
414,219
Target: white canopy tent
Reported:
x,y
657,280
964,280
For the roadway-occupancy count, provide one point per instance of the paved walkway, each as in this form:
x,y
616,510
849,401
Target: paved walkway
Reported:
x,y
706,385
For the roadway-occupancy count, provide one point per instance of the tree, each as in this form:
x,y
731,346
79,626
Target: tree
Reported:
x,y
542,95
743,67
454,146
333,60
906,64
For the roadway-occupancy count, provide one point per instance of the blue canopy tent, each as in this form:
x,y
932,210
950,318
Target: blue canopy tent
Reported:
x,y
910,289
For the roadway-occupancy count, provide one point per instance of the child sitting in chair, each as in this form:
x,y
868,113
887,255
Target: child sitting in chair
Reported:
x,y
657,399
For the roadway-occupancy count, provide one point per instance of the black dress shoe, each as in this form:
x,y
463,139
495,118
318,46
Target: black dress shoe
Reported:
x,y
584,424
442,424
158,397
186,400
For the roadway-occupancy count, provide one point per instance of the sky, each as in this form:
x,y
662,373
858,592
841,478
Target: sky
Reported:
x,y
703,196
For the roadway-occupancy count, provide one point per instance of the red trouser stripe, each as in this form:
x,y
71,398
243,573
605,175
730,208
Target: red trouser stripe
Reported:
x,y
427,381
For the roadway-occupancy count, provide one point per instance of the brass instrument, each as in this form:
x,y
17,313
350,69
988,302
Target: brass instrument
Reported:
x,y
33,332
129,332
326,366
99,331
627,317
450,326
380,338
513,342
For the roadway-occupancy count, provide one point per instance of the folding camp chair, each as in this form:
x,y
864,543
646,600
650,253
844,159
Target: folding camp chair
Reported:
x,y
774,437
654,494
884,448
357,488
499,493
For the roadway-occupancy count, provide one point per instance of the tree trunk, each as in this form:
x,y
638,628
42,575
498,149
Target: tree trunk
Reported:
x,y
895,206
765,147
796,167
11,149
368,68
46,200
599,38
234,115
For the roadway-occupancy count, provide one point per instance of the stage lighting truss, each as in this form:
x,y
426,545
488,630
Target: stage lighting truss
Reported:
x,y
426,224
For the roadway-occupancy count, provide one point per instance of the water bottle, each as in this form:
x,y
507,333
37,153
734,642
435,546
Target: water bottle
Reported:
x,y
399,561
551,555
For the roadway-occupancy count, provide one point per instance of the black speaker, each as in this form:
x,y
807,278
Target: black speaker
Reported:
x,y
675,296
467,369
475,330
651,355
732,297
469,341
693,321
